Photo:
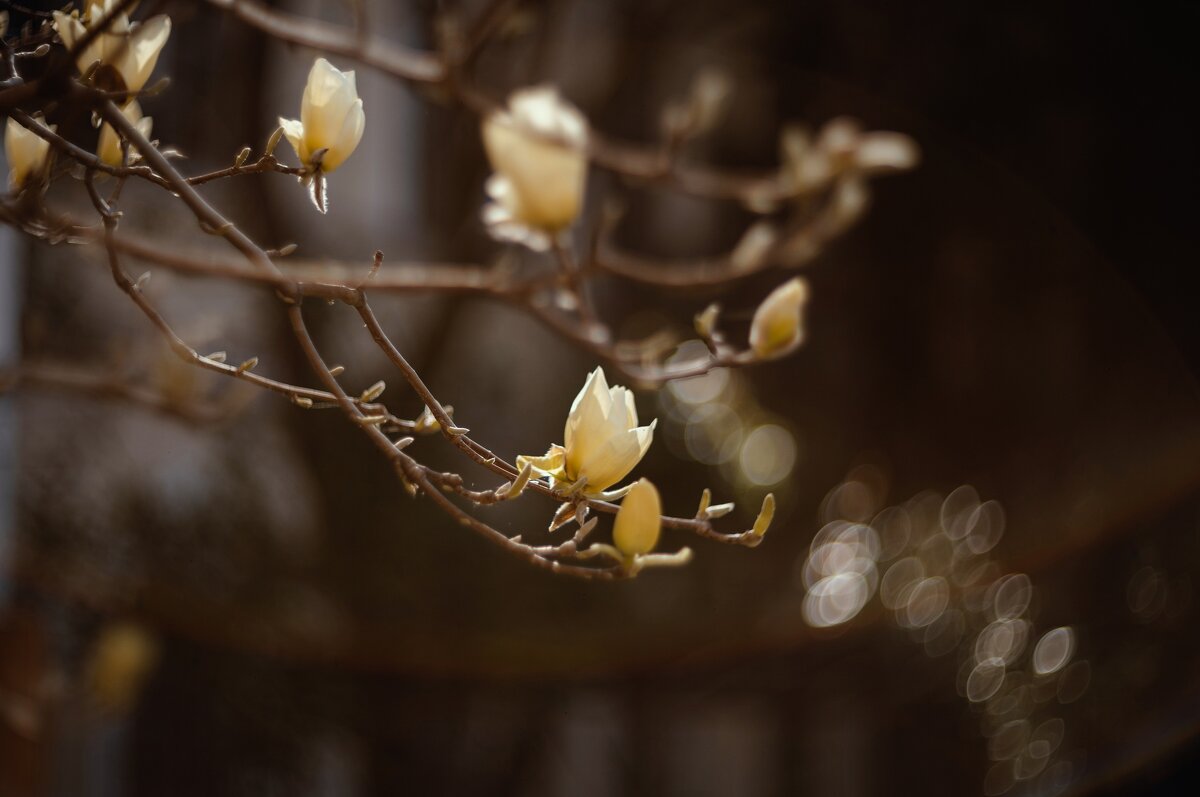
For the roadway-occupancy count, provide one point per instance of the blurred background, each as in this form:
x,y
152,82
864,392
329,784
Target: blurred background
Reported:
x,y
982,578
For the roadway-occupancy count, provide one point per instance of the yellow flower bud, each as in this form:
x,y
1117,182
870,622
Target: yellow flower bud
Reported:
x,y
122,657
331,119
538,149
705,321
26,152
108,148
639,520
765,515
776,328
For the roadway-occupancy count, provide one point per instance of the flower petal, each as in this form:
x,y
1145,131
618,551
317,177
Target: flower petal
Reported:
x,y
25,150
614,459
594,384
347,139
139,52
329,95
587,425
293,130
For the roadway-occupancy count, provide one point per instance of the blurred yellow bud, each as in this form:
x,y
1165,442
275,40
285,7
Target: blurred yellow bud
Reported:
x,y
132,49
121,658
776,328
108,148
538,148
331,119
639,520
26,151
765,515
602,441
706,321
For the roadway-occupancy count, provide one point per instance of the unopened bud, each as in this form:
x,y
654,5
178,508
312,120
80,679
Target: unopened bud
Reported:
x,y
776,328
765,515
639,520
706,321
373,392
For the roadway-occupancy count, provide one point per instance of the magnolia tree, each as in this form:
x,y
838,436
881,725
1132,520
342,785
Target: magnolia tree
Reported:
x,y
542,150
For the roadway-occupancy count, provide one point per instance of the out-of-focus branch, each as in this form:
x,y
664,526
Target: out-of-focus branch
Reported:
x,y
350,43
103,385
656,164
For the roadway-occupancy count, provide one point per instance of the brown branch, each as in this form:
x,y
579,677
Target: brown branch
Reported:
x,y
209,217
419,475
104,386
349,43
654,164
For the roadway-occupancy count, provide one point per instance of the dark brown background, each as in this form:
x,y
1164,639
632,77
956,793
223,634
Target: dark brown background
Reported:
x,y
1016,315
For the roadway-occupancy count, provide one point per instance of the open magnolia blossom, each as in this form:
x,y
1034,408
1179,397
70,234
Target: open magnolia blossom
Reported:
x,y
108,148
639,520
27,152
538,148
131,49
331,119
776,328
601,442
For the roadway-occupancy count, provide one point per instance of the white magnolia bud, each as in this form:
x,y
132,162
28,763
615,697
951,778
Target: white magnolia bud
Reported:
x,y
331,119
639,520
538,149
27,152
776,328
108,148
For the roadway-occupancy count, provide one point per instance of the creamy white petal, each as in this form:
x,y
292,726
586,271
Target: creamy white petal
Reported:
x,y
619,415
541,111
108,148
328,97
500,189
138,57
594,385
595,376
26,152
347,138
589,429
610,462
293,131
539,144
145,126
631,417
69,28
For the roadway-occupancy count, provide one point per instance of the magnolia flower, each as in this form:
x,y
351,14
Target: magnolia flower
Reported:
x,y
131,49
538,149
331,119
601,442
26,151
639,520
776,328
108,148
